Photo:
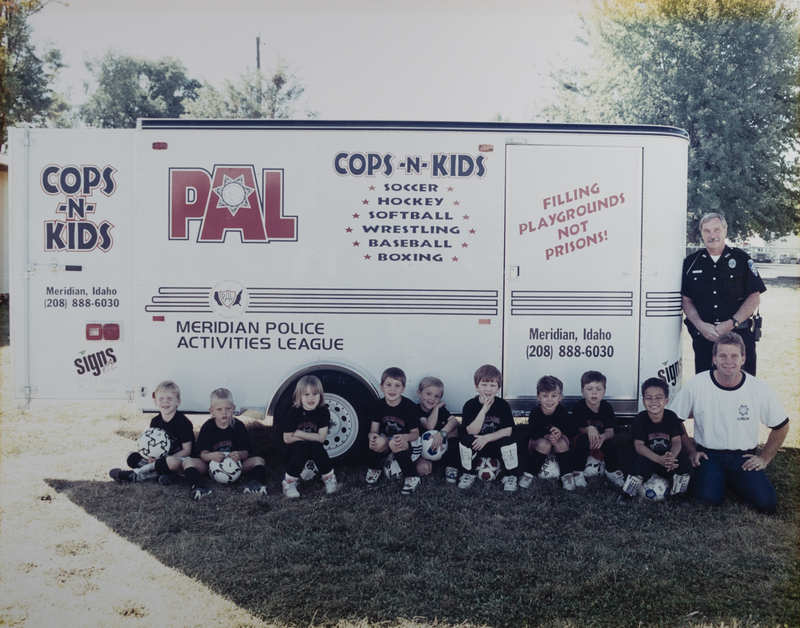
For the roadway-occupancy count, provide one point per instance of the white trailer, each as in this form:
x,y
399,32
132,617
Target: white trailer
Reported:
x,y
245,254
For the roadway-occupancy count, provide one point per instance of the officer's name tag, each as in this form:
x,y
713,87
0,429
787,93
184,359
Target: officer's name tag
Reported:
x,y
696,271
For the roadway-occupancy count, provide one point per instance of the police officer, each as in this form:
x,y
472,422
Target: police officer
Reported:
x,y
721,289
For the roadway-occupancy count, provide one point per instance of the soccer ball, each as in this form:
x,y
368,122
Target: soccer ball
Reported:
x,y
594,467
226,471
391,468
550,469
488,469
427,452
154,443
309,471
655,489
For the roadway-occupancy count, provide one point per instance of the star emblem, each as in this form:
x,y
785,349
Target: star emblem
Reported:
x,y
349,230
472,231
465,217
233,194
356,216
368,256
356,243
365,202
456,203
464,245
455,259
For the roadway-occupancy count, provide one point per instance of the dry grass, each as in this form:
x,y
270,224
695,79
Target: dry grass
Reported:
x,y
60,566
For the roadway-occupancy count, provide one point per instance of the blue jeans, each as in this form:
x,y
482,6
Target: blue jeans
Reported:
x,y
708,483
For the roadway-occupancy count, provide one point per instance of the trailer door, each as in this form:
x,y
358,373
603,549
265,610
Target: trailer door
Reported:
x,y
573,258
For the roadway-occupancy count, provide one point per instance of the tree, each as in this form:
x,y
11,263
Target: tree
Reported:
x,y
255,96
26,94
127,88
724,70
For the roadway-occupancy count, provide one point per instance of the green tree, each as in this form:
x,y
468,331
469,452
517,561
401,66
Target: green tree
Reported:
x,y
126,88
724,70
256,95
26,93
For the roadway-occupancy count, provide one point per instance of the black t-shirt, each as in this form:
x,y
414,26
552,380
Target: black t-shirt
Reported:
x,y
540,424
232,438
400,419
657,436
441,419
498,417
310,422
179,428
604,419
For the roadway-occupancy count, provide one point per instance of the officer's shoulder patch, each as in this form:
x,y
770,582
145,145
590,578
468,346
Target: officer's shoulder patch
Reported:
x,y
752,265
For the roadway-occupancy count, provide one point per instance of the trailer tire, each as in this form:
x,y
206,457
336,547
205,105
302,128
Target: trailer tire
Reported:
x,y
349,403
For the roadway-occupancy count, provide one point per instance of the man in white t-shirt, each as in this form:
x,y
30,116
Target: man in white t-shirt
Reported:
x,y
727,405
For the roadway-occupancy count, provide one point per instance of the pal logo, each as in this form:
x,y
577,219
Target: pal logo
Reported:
x,y
230,199
229,299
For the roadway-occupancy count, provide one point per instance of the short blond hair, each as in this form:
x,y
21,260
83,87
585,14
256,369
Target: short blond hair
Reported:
x,y
170,386
221,394
488,373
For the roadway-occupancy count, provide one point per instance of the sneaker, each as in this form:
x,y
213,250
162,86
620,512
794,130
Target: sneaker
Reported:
x,y
198,492
410,485
624,500
331,485
165,480
568,482
373,475
254,487
451,474
122,475
290,488
617,478
466,480
509,483
580,479
526,480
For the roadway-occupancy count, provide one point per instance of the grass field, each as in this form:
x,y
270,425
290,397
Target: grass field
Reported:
x,y
77,549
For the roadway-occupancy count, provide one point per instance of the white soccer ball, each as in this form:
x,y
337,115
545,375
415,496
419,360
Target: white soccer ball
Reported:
x,y
550,469
655,489
427,446
488,469
226,471
594,467
391,468
154,443
309,471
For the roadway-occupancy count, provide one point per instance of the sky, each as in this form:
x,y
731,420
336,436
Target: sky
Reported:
x,y
359,60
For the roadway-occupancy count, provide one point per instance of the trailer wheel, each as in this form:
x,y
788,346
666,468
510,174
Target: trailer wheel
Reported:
x,y
349,403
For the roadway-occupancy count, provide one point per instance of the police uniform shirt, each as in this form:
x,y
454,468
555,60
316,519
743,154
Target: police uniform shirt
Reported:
x,y
498,417
399,419
441,419
604,419
728,418
657,437
309,421
232,438
717,289
540,424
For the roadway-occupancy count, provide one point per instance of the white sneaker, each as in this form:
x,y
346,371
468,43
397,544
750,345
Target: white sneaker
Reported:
x,y
617,478
509,483
290,488
330,483
451,474
568,482
466,480
580,479
373,475
410,485
526,480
